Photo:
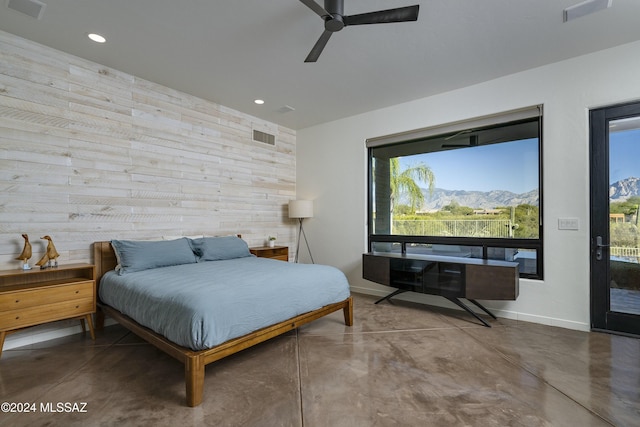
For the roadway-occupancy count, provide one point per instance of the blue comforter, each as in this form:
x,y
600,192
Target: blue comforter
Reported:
x,y
202,305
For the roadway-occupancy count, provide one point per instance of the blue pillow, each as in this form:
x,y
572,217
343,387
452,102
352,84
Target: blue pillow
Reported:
x,y
136,255
219,248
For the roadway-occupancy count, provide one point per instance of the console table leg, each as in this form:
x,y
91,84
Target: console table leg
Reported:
x,y
460,304
392,294
483,308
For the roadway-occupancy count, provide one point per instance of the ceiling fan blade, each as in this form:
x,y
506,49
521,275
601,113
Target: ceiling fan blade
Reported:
x,y
400,14
319,10
318,47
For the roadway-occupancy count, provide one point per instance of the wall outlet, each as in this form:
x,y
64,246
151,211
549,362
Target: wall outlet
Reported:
x,y
568,223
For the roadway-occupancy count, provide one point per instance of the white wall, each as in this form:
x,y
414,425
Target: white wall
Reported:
x,y
90,153
331,169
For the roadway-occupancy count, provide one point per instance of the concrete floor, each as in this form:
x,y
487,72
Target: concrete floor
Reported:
x,y
401,364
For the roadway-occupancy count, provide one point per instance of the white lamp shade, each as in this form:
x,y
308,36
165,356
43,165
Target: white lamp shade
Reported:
x,y
301,209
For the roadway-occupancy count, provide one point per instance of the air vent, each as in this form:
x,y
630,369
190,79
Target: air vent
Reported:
x,y
264,137
286,109
33,8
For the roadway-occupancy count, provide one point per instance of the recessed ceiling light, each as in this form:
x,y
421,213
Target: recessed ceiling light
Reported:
x,y
259,101
96,38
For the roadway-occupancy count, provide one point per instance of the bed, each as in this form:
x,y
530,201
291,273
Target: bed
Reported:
x,y
220,279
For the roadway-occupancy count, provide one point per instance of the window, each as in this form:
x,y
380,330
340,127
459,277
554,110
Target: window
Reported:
x,y
470,189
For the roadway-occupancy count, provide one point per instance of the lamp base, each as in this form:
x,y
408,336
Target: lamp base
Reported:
x,y
301,232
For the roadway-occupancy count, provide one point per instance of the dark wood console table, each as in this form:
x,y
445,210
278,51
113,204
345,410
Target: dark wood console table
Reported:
x,y
450,277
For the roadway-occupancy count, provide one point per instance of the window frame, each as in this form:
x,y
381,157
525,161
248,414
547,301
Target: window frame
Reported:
x,y
484,242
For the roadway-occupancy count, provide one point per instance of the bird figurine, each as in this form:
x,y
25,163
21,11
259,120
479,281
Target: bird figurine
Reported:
x,y
26,253
50,255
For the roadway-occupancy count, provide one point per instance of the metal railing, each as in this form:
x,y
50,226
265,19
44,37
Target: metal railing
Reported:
x,y
625,252
454,228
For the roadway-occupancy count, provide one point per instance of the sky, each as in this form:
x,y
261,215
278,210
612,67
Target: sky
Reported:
x,y
624,155
511,166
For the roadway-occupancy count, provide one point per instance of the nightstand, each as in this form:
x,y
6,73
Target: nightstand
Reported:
x,y
32,297
276,252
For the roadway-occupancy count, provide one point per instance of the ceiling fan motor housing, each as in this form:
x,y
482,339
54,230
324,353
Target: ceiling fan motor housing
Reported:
x,y
334,21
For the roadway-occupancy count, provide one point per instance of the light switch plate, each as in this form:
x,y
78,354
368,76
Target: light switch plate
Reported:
x,y
568,223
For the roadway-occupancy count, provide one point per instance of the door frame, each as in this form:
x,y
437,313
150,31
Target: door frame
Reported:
x,y
602,318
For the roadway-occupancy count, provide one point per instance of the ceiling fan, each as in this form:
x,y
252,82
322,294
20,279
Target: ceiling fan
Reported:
x,y
335,20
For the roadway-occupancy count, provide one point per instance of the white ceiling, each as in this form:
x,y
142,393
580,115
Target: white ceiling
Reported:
x,y
232,52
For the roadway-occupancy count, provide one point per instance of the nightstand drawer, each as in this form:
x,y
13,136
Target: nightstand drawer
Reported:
x,y
36,315
46,295
278,252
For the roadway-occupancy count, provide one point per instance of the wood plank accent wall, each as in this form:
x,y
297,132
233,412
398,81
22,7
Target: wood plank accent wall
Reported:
x,y
91,153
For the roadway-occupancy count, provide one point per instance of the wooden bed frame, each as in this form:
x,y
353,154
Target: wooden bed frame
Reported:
x,y
195,361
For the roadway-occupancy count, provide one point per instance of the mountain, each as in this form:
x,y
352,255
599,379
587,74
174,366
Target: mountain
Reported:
x,y
621,190
478,199
618,192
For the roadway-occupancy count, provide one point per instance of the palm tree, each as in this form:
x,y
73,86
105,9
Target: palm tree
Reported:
x,y
404,182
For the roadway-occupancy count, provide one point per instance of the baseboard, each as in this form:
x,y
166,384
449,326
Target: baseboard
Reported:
x,y
38,334
552,321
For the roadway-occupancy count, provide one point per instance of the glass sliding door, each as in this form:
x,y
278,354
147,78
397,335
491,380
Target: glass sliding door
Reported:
x,y
615,205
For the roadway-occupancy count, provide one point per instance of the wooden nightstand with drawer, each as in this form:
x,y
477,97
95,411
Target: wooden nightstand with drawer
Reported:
x,y
32,297
276,252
